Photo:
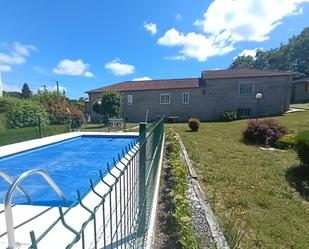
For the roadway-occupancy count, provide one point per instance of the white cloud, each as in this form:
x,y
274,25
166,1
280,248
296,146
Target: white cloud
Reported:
x,y
61,88
194,45
119,69
74,68
14,54
10,87
178,17
151,27
244,20
5,68
248,52
223,28
175,58
142,78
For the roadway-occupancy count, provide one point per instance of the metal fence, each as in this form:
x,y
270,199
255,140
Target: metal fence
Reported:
x,y
119,206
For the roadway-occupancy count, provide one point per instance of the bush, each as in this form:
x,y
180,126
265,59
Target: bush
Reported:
x,y
6,102
258,131
57,105
302,147
77,116
24,113
229,116
286,142
194,124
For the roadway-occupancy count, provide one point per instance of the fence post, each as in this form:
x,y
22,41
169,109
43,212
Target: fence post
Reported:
x,y
70,123
142,180
40,127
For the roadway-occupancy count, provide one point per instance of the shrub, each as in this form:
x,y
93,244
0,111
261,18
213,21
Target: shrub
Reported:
x,y
24,113
302,147
194,124
258,131
229,116
6,102
57,105
286,142
181,210
77,116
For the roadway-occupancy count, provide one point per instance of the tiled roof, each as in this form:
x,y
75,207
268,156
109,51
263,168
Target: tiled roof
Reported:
x,y
151,85
189,82
237,73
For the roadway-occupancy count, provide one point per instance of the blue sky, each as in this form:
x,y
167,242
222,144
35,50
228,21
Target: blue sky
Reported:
x,y
89,44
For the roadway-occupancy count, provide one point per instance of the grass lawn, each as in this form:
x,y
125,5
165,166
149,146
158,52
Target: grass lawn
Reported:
x,y
102,128
264,190
301,106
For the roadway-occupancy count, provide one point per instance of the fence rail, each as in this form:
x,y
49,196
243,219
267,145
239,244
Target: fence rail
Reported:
x,y
118,208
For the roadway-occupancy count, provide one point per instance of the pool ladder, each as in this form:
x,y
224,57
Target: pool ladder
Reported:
x,y
10,180
8,198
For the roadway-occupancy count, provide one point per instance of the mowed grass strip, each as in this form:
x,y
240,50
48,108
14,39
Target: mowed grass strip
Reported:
x,y
256,186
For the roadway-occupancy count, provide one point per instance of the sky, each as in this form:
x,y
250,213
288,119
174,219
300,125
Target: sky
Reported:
x,y
89,44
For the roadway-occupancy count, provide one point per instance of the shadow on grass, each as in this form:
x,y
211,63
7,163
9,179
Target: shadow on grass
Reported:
x,y
298,178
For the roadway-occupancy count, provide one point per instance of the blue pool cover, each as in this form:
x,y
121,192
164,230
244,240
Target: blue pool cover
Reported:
x,y
70,163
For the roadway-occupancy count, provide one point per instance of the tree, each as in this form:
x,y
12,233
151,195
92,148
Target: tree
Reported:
x,y
25,113
12,94
293,56
57,106
25,91
242,61
111,103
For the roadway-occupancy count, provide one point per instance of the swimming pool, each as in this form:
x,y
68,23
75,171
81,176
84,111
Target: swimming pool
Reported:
x,y
70,163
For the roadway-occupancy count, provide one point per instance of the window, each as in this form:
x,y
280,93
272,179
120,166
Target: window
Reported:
x,y
130,99
185,98
246,88
243,112
165,98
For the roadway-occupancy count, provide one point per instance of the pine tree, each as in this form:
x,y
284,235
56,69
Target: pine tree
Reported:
x,y
25,91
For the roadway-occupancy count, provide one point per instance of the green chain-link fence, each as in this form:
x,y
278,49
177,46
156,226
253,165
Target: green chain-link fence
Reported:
x,y
120,216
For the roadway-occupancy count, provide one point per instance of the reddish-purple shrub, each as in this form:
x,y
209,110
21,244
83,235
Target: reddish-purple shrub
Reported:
x,y
258,131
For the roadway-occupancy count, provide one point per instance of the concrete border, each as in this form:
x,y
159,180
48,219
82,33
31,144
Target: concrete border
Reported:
x,y
152,224
213,224
35,143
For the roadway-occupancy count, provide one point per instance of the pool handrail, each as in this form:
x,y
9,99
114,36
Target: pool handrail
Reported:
x,y
8,201
10,180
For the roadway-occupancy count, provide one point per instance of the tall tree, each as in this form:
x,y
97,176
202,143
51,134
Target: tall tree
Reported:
x,y
110,104
293,56
25,91
242,62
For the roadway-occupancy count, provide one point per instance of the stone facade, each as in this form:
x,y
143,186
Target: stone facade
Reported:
x,y
209,100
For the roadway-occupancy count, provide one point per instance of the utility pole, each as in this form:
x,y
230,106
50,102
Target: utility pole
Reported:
x,y
57,86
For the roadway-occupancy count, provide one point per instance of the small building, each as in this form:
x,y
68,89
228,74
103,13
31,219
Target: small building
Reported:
x,y
300,91
206,98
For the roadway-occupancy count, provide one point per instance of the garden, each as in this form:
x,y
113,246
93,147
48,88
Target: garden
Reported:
x,y
260,195
25,116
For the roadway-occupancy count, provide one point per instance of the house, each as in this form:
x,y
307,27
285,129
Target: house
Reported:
x,y
300,91
206,97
